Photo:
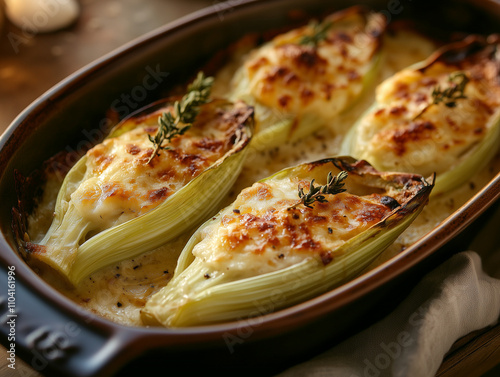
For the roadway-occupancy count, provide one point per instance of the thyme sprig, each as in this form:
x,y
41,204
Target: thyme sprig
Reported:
x,y
334,185
320,33
449,96
184,113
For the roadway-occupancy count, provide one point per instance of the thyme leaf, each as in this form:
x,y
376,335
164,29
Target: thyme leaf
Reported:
x,y
177,122
334,185
457,82
320,31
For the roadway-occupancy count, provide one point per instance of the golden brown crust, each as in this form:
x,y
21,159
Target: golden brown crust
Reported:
x,y
120,179
294,77
411,129
302,229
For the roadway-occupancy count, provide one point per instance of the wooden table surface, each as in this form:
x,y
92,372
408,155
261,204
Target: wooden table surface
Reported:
x,y
29,65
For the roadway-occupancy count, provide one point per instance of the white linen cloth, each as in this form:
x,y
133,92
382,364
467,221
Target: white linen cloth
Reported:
x,y
453,300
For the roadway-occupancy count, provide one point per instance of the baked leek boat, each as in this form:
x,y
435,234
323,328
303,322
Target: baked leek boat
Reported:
x,y
284,240
128,194
441,115
301,80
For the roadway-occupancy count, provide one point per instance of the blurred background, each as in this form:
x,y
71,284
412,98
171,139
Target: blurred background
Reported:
x,y
32,60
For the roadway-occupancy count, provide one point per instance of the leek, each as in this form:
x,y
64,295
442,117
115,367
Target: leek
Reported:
x,y
297,88
424,120
139,203
216,282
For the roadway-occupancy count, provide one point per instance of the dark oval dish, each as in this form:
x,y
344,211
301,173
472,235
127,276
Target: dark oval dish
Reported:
x,y
57,337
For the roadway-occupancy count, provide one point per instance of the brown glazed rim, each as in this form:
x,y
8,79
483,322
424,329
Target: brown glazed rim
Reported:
x,y
133,341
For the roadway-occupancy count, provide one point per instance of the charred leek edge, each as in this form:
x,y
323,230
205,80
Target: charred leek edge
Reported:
x,y
220,298
162,224
475,159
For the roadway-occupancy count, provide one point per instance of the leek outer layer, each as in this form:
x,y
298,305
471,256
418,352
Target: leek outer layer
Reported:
x,y
296,89
214,286
404,131
76,246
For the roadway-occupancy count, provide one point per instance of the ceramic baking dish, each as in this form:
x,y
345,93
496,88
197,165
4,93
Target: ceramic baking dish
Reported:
x,y
57,337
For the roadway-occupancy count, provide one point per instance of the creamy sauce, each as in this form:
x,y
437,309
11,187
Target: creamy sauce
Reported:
x,y
120,291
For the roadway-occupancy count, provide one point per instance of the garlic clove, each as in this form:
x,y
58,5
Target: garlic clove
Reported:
x,y
42,16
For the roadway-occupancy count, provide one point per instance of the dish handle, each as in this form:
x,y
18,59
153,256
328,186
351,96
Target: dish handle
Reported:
x,y
50,340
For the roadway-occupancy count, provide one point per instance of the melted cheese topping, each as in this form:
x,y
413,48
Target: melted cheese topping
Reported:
x,y
300,79
393,136
119,184
118,292
259,234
